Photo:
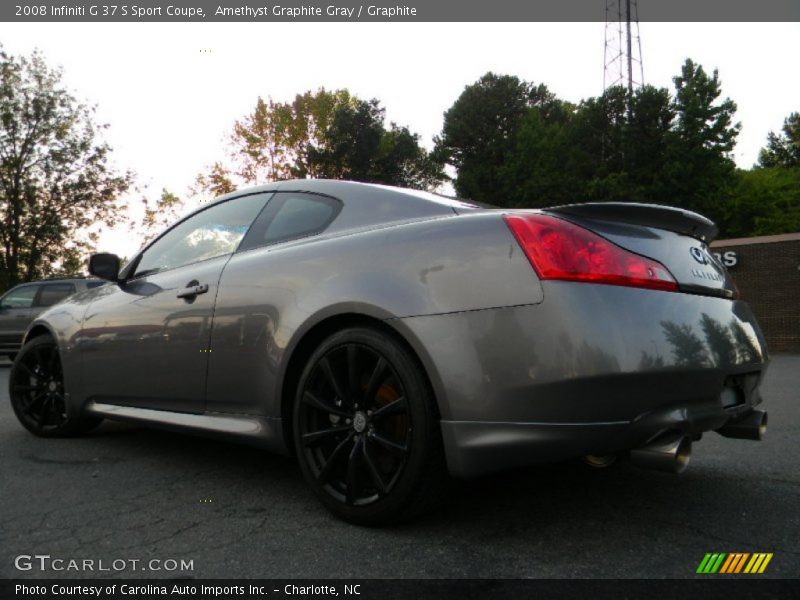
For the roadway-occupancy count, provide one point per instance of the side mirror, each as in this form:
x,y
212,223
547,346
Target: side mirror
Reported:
x,y
104,266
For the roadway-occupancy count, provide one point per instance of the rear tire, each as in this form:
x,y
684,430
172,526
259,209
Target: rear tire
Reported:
x,y
37,392
366,431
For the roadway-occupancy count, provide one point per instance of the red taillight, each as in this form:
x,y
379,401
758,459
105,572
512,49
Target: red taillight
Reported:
x,y
558,249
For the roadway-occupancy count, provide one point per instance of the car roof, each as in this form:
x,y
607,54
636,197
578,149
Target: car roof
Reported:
x,y
364,204
338,188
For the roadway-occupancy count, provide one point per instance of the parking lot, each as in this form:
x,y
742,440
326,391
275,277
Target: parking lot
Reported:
x,y
130,493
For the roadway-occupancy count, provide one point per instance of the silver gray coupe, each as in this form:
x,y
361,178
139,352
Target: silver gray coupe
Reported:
x,y
392,339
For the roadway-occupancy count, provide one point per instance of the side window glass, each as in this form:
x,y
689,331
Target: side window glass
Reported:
x,y
54,292
216,231
290,216
21,297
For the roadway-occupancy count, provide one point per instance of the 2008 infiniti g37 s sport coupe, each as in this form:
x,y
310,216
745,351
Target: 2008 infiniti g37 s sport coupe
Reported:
x,y
390,338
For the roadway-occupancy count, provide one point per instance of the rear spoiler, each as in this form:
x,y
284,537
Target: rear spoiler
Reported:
x,y
678,220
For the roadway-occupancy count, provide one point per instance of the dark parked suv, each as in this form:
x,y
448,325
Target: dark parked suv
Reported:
x,y
20,305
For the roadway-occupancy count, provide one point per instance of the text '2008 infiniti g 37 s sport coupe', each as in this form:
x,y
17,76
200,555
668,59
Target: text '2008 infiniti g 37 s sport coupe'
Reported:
x,y
391,339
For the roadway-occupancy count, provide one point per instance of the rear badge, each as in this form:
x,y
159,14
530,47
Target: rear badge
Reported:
x,y
703,258
698,255
707,275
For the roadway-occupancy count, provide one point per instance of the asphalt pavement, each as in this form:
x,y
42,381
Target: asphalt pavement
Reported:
x,y
127,493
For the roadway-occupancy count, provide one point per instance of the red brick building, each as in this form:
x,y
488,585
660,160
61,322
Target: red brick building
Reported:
x,y
767,271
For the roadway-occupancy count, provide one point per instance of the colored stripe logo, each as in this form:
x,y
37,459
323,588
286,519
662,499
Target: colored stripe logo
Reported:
x,y
734,563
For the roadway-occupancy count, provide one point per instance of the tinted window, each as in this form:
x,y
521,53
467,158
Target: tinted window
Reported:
x,y
213,232
54,292
21,297
289,216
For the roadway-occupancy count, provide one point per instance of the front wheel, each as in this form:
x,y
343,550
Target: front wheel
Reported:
x,y
365,429
38,396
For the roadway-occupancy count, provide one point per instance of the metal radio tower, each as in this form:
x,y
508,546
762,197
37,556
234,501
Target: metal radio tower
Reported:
x,y
623,49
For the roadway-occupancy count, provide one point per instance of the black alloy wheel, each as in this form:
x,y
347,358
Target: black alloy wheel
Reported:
x,y
355,432
37,392
365,428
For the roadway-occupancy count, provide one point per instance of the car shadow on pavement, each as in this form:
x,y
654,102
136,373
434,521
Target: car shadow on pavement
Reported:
x,y
216,495
125,487
569,494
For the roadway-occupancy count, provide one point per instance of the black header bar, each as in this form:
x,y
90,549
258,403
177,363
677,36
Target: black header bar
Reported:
x,y
389,11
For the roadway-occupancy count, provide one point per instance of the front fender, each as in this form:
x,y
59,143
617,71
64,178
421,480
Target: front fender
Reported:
x,y
64,322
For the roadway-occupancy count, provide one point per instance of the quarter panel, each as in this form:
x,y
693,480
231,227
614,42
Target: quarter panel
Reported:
x,y
268,297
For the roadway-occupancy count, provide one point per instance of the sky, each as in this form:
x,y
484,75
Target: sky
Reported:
x,y
171,92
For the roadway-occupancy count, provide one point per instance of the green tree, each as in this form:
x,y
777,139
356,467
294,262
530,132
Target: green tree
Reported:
x,y
480,130
607,148
764,201
623,139
783,150
275,140
401,160
258,146
322,134
158,215
515,144
55,179
699,172
356,145
599,148
307,122
540,169
218,181
647,138
349,143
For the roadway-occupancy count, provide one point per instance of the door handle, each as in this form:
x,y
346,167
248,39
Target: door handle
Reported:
x,y
193,290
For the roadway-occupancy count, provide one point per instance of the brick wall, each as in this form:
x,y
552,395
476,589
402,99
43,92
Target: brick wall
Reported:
x,y
768,275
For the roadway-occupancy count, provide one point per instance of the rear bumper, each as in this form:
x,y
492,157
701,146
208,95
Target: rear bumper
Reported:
x,y
476,448
593,369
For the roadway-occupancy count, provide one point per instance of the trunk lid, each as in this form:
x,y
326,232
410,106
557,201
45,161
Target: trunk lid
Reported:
x,y
676,238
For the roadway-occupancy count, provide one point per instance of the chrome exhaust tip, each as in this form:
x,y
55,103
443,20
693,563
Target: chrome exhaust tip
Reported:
x,y
670,453
752,426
